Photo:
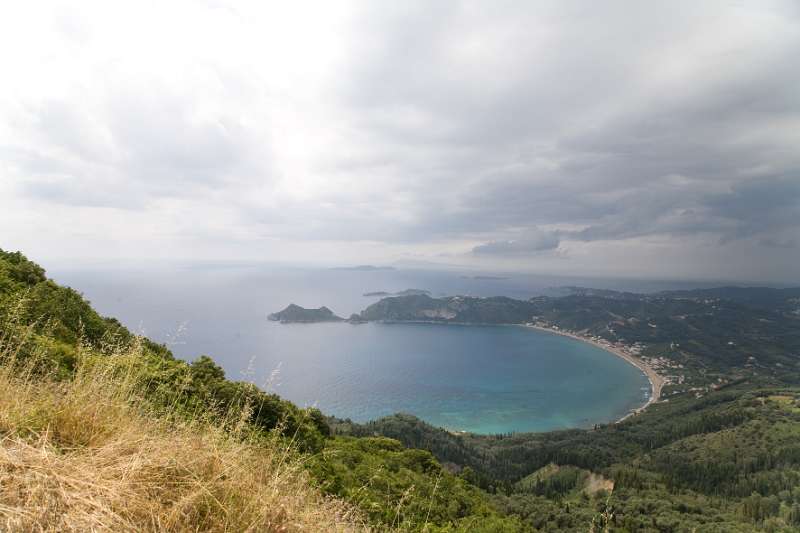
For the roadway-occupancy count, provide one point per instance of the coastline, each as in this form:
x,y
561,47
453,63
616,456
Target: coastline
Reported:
x,y
656,381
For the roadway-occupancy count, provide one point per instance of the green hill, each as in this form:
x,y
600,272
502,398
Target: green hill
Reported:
x,y
295,313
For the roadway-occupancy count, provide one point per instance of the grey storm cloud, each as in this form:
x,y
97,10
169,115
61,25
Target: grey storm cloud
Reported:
x,y
531,242
557,114
482,131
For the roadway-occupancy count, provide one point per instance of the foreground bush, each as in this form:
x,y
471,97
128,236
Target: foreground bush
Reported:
x,y
91,453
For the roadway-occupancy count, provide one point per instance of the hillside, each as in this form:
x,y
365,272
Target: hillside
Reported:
x,y
729,461
462,309
102,429
94,453
295,313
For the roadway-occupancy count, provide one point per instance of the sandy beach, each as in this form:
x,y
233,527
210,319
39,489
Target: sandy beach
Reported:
x,y
656,381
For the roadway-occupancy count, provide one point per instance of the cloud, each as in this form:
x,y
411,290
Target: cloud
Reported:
x,y
410,130
533,241
133,145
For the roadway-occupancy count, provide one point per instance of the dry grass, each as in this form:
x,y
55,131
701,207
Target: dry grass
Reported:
x,y
89,455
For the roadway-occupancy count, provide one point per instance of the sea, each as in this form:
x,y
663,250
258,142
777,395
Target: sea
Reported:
x,y
481,379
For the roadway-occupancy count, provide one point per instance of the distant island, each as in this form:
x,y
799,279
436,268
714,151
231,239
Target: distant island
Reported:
x,y
407,292
295,313
485,278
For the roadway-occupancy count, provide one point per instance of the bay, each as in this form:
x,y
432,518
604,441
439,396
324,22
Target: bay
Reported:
x,y
483,379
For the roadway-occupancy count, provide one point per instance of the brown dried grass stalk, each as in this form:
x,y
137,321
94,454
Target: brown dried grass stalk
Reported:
x,y
90,454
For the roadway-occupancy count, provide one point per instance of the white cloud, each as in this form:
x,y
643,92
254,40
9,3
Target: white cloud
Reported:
x,y
266,130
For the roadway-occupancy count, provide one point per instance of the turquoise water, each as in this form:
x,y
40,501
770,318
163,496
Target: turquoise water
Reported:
x,y
493,379
483,379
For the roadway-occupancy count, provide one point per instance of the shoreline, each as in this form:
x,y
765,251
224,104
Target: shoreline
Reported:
x,y
656,381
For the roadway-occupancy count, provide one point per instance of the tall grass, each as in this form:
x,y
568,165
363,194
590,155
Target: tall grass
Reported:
x,y
94,453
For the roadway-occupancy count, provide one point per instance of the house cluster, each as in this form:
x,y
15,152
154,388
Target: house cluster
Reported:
x,y
666,367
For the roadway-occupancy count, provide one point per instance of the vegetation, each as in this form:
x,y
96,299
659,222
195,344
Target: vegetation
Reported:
x,y
104,430
421,307
713,338
729,461
61,321
95,452
406,292
295,313
405,487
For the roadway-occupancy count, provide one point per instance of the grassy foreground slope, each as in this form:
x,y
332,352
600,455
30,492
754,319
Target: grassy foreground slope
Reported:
x,y
91,454
103,430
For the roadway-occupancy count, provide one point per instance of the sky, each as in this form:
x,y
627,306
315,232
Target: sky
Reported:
x,y
615,138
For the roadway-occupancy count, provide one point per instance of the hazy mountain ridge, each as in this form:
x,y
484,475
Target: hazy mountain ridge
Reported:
x,y
406,292
463,309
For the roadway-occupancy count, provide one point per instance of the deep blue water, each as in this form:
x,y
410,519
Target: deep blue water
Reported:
x,y
486,379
